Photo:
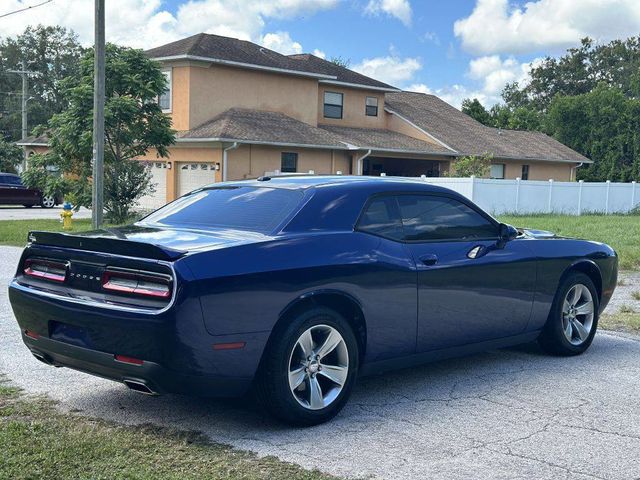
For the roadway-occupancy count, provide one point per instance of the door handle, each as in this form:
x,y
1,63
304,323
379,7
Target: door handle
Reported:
x,y
429,259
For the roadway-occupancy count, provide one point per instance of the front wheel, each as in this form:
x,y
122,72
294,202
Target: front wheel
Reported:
x,y
573,319
309,369
48,201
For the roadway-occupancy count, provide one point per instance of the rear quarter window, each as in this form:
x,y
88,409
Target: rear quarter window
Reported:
x,y
258,209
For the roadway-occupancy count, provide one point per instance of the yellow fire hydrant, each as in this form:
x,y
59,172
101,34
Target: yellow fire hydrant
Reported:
x,y
66,215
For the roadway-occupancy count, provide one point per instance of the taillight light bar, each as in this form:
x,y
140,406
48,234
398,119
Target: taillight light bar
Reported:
x,y
146,284
46,269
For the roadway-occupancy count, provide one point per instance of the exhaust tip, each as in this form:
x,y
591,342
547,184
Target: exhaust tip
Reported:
x,y
43,358
140,387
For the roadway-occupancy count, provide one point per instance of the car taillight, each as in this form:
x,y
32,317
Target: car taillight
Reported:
x,y
137,283
45,269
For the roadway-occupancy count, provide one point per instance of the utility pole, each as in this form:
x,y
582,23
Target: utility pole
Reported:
x,y
98,117
25,92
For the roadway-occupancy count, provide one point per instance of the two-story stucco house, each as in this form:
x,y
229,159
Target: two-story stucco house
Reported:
x,y
242,111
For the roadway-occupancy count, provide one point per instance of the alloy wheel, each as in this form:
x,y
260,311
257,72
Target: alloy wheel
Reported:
x,y
48,201
577,314
318,367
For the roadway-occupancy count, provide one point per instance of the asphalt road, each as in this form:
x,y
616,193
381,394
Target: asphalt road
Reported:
x,y
505,414
21,213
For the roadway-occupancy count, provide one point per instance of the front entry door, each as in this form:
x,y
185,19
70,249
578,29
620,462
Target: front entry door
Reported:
x,y
470,287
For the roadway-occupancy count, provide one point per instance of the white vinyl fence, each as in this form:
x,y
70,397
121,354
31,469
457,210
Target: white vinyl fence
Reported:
x,y
529,196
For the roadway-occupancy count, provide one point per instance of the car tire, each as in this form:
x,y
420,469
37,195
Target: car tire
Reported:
x,y
573,319
48,201
285,362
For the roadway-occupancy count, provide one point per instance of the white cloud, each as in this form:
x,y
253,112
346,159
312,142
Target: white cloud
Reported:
x,y
319,53
453,94
281,42
401,9
145,24
495,73
496,26
390,69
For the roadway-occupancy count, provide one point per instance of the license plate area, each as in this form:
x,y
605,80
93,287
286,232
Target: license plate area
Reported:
x,y
71,334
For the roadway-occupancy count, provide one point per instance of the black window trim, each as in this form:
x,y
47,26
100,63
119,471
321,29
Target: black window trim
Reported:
x,y
324,103
282,154
366,107
462,200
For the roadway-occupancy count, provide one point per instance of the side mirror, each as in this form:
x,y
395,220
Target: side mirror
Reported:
x,y
507,233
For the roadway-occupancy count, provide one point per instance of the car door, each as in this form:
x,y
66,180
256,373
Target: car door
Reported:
x,y
7,191
471,287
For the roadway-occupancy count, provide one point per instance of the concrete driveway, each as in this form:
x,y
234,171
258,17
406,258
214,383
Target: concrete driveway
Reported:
x,y
508,414
21,213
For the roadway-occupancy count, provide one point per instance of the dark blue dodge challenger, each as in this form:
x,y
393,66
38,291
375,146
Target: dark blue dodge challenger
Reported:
x,y
291,287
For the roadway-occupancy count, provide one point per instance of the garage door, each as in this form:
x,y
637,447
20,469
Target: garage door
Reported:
x,y
159,181
195,175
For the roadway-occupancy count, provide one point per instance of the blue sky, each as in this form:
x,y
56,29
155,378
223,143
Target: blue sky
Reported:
x,y
455,49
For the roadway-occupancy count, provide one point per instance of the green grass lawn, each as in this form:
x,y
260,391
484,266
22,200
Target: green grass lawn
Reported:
x,y
622,232
37,441
621,321
14,232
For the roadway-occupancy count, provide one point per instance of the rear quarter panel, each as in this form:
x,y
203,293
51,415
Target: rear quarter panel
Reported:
x,y
246,288
556,256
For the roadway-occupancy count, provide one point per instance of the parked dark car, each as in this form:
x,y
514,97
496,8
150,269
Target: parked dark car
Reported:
x,y
291,287
13,192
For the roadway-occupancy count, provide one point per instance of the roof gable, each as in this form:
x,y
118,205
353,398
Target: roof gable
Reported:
x,y
467,136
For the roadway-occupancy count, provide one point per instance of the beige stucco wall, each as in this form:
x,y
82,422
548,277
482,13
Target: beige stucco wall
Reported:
x,y
558,171
396,124
180,96
215,89
251,161
353,107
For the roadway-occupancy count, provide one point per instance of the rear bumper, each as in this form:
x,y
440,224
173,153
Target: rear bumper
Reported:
x,y
156,377
178,353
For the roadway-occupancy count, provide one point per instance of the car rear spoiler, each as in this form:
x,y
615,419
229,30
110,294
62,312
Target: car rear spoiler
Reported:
x,y
101,241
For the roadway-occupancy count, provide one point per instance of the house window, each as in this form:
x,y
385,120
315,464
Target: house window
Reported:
x,y
497,170
164,100
525,172
333,105
371,107
289,162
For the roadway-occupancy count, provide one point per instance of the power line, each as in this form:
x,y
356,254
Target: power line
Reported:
x,y
25,9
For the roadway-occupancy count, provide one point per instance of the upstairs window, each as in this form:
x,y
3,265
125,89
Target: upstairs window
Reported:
x,y
333,105
288,162
164,100
497,170
371,107
525,172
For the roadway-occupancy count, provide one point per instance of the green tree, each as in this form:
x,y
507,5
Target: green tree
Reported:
x,y
472,165
476,110
605,126
10,156
340,61
54,53
134,124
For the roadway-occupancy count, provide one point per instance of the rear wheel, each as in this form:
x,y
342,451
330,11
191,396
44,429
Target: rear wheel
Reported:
x,y
573,319
309,369
48,201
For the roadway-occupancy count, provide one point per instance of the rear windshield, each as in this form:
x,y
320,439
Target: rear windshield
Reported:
x,y
259,209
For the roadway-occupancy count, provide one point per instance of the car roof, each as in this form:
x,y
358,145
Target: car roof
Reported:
x,y
303,182
9,174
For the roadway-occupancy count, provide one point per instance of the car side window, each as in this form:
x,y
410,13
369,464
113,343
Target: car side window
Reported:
x,y
430,217
380,217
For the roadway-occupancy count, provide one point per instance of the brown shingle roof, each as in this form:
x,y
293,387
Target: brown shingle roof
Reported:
x,y
469,137
385,140
42,140
257,126
226,49
316,64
